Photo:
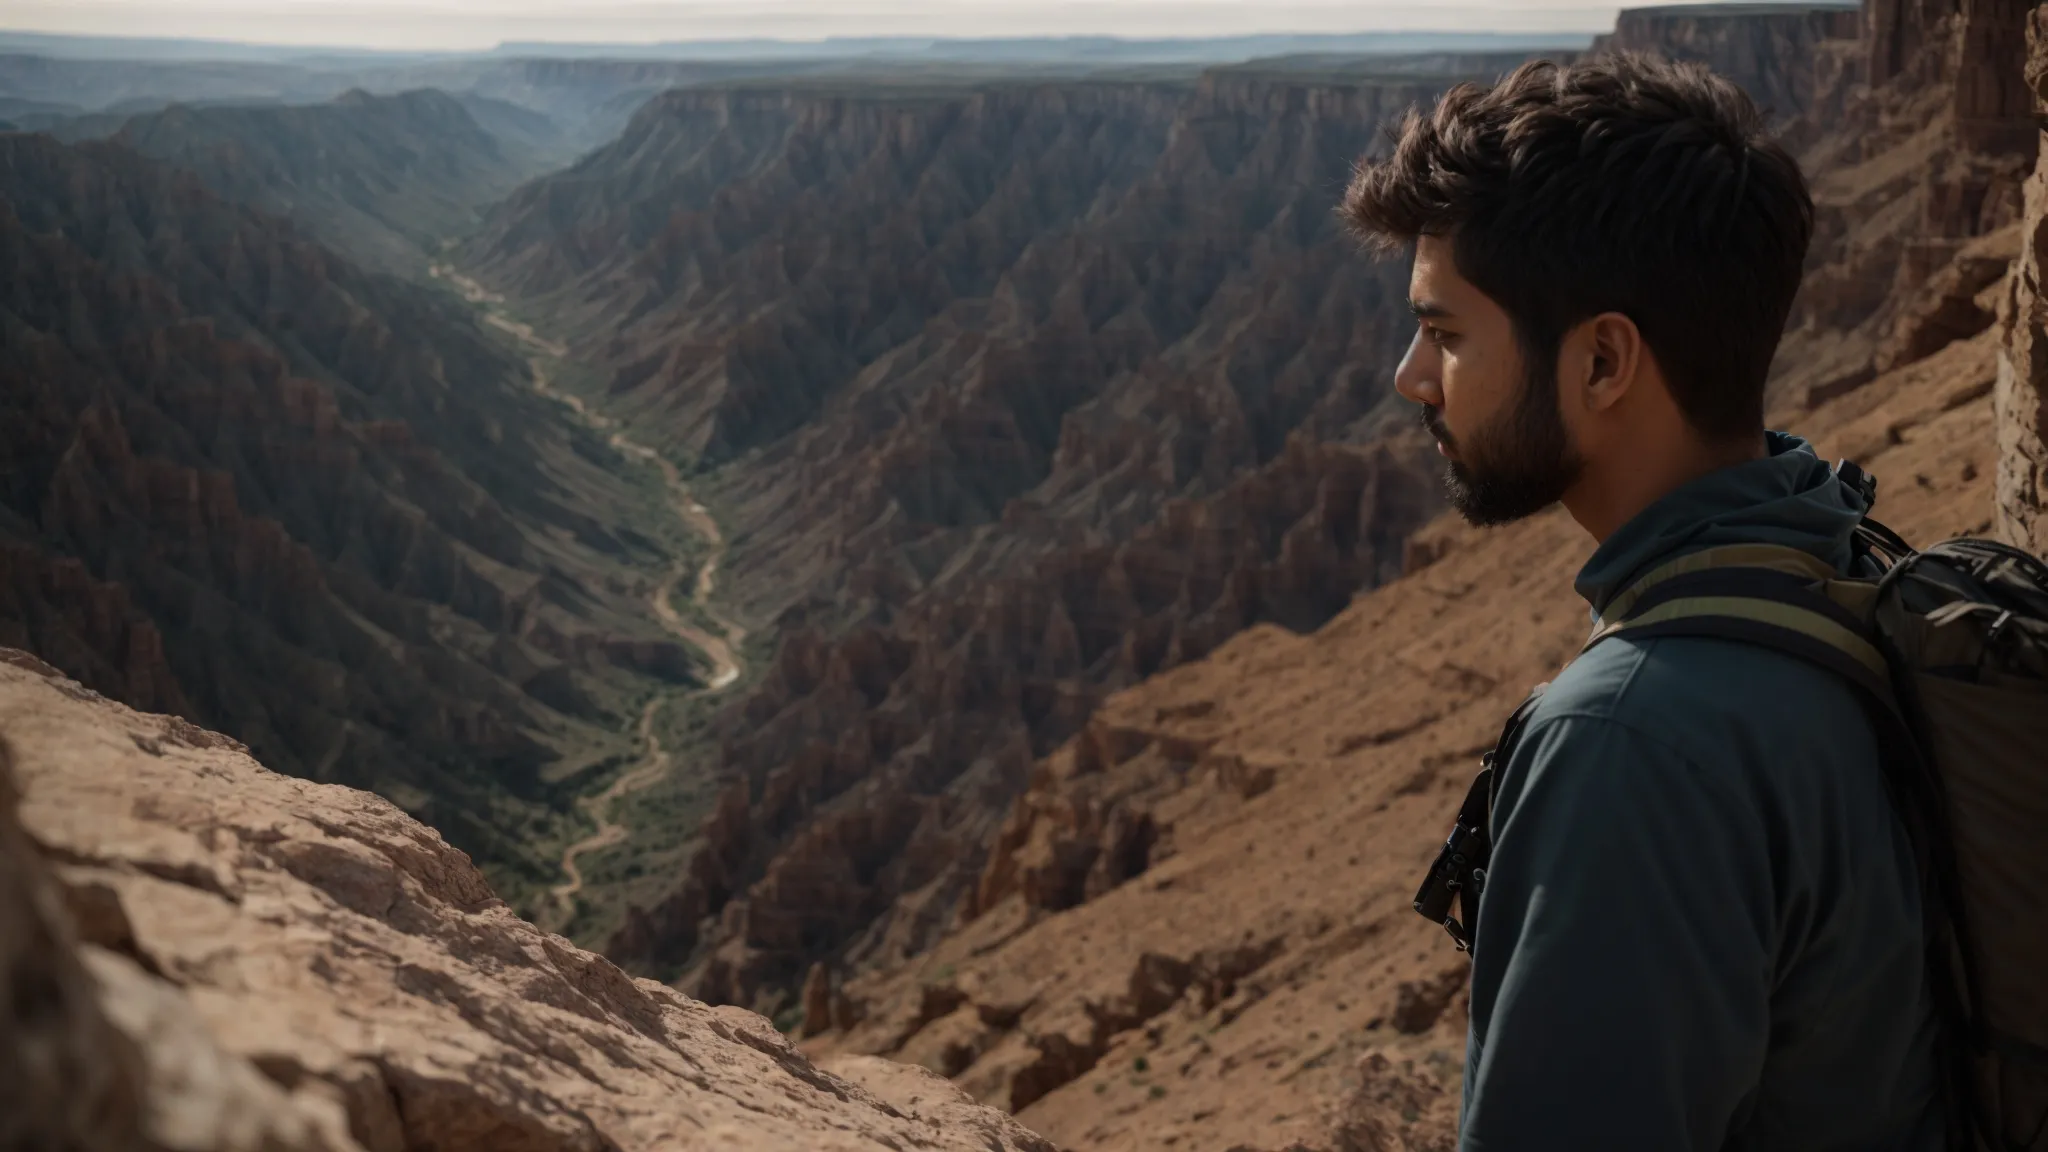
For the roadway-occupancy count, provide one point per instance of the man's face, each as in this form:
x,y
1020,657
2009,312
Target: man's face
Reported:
x,y
1495,417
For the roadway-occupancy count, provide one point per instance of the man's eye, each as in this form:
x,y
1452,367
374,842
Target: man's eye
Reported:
x,y
1436,336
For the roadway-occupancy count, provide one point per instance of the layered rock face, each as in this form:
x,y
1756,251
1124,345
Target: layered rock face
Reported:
x,y
890,754
1023,394
203,955
251,484
2023,372
1917,176
742,255
1784,57
937,341
589,102
374,176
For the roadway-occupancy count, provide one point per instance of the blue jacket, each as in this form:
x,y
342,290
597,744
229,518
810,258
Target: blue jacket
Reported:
x,y
1701,926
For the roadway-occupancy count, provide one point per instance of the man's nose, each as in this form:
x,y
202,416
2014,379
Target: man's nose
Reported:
x,y
1417,377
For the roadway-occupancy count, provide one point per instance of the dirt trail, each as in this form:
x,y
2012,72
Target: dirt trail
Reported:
x,y
721,647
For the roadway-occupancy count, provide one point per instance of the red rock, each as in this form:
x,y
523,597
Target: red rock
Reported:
x,y
1777,57
303,966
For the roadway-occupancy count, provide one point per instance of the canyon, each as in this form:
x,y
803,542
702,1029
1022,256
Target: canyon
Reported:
x,y
1011,397
382,178
250,484
934,560
1014,397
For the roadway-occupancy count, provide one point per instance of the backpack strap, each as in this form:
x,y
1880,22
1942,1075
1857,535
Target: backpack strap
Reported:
x,y
1790,601
1764,594
1459,871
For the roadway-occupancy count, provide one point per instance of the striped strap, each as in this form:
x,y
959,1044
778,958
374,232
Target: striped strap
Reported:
x,y
1773,557
1761,594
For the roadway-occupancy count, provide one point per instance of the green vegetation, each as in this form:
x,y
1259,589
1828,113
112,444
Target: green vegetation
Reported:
x,y
661,817
788,1019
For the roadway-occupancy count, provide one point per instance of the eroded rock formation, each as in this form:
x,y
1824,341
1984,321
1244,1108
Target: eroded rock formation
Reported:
x,y
251,484
936,340
1024,393
203,955
1785,59
381,178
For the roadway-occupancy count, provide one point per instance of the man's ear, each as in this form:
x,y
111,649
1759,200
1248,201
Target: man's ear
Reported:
x,y
1611,356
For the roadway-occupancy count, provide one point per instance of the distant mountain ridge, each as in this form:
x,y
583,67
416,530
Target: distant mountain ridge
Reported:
x,y
1186,48
588,92
380,177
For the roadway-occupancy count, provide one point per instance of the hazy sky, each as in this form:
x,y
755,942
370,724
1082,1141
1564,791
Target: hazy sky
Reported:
x,y
483,23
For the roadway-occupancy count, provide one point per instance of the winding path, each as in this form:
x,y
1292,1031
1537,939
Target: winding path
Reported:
x,y
720,648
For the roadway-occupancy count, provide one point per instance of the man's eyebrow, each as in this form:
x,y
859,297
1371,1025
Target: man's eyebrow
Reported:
x,y
1428,309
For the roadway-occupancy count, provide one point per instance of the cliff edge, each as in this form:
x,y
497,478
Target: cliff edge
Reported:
x,y
202,954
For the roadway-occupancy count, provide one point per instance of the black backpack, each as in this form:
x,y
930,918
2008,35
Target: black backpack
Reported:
x,y
1949,648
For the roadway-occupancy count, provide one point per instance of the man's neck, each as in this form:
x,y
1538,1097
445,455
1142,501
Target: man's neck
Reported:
x,y
1611,493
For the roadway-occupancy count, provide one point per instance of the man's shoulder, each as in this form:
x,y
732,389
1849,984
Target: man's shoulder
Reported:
x,y
1701,695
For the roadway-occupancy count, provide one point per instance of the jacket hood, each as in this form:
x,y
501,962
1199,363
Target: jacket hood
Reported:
x,y
1789,497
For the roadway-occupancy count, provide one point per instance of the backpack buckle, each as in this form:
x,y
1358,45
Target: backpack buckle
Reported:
x,y
1448,879
1864,484
1459,871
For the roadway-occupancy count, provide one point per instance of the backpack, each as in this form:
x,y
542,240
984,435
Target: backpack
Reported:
x,y
1949,649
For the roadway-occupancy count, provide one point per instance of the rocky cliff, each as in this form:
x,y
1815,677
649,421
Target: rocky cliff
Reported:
x,y
2023,371
1020,394
989,381
1784,56
380,177
251,484
206,956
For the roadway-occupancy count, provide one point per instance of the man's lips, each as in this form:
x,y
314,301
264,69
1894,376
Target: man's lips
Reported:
x,y
1434,424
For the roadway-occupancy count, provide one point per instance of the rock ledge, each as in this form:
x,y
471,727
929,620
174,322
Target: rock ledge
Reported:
x,y
207,955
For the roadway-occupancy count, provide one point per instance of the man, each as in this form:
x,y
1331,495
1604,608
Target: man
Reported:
x,y
1701,927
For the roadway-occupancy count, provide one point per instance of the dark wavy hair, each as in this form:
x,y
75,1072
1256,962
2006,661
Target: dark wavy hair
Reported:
x,y
1619,183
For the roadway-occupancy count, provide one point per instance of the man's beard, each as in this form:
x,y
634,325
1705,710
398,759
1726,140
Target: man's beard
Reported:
x,y
1517,465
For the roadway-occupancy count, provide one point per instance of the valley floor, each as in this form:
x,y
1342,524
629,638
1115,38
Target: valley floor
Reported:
x,y
720,638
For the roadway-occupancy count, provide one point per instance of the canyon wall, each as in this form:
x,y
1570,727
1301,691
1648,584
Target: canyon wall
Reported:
x,y
381,178
926,343
1011,397
1783,57
1017,396
251,484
